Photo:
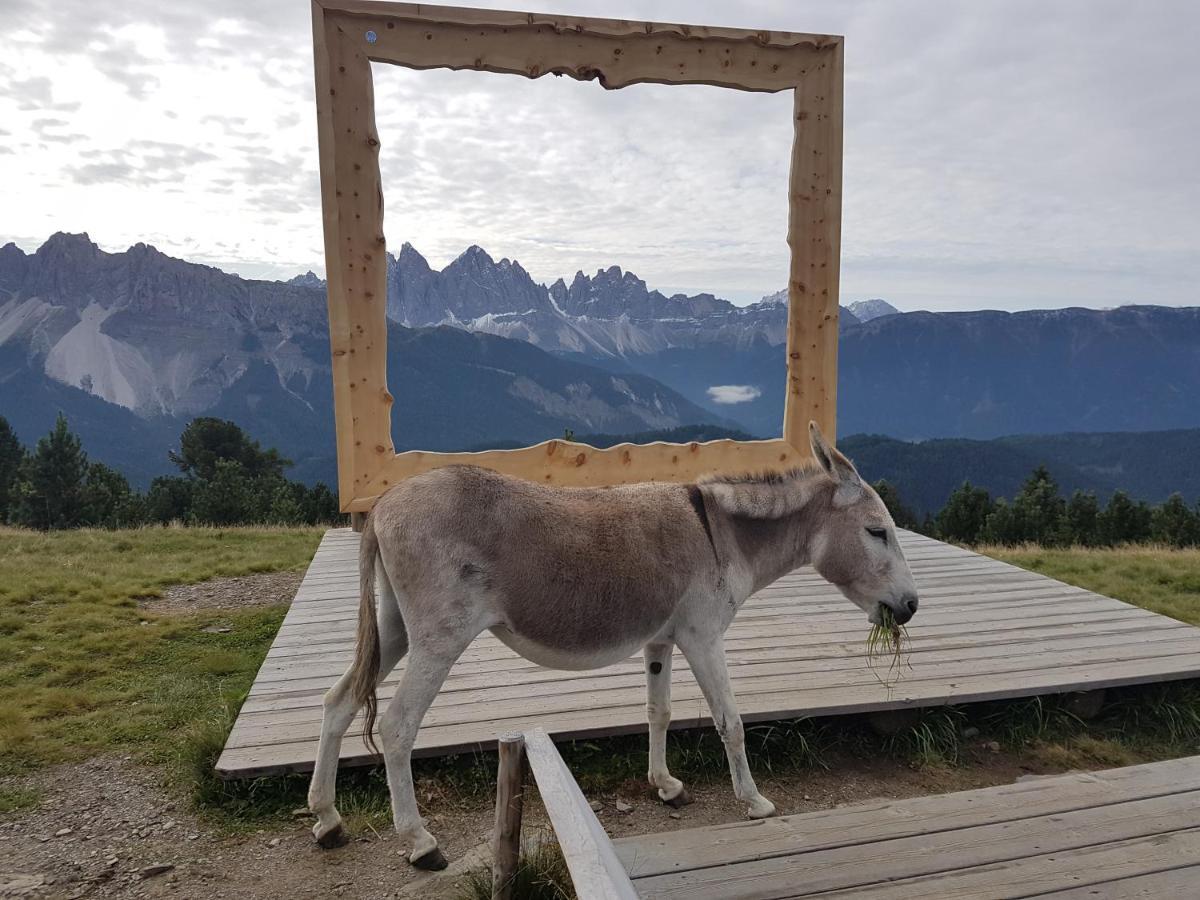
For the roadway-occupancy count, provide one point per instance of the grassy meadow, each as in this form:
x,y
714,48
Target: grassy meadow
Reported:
x,y
83,670
1159,579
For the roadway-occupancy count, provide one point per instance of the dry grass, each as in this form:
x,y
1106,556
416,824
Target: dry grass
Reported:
x,y
1159,579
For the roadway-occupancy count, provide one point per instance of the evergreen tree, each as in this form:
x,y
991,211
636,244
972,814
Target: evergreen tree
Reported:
x,y
52,481
901,514
169,499
11,455
1124,521
1081,523
1173,523
229,497
321,506
963,517
206,441
1001,526
284,503
1038,509
109,501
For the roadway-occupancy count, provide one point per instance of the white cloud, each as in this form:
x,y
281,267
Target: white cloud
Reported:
x,y
733,393
1004,154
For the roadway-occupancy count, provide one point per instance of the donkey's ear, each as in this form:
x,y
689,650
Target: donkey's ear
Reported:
x,y
831,459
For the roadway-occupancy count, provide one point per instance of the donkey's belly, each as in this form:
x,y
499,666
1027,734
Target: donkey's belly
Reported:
x,y
573,658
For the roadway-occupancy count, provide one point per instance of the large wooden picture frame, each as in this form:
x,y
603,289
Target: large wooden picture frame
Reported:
x,y
350,35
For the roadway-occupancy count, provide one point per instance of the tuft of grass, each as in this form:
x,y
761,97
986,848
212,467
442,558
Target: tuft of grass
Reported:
x,y
887,637
933,739
541,875
15,799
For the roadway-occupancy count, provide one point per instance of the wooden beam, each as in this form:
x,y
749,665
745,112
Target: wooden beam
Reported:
x,y
614,53
566,463
595,870
510,793
814,237
355,253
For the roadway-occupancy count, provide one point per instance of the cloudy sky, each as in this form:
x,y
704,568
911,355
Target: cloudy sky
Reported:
x,y
998,154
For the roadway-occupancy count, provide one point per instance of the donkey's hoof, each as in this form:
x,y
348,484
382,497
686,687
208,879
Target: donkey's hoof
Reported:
x,y
762,808
432,861
679,801
334,837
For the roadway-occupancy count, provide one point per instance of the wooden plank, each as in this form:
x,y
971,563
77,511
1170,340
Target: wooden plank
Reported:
x,y
945,862
595,870
1038,876
463,707
1173,882
722,845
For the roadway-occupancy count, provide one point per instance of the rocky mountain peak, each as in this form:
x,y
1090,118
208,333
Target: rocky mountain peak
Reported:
x,y
309,279
866,310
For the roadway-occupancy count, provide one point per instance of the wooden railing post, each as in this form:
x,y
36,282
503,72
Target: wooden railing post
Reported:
x,y
510,790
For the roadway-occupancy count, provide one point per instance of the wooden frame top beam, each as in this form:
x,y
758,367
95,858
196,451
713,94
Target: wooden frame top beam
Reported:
x,y
614,52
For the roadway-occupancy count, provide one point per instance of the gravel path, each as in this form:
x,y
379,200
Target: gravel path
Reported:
x,y
243,591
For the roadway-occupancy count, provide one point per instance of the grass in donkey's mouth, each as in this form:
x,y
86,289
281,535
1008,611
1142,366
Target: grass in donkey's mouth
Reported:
x,y
887,638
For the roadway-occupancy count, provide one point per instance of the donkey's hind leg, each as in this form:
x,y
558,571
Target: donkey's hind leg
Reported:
x,y
658,712
340,707
428,664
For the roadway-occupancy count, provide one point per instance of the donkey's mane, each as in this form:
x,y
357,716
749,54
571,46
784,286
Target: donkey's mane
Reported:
x,y
809,467
762,495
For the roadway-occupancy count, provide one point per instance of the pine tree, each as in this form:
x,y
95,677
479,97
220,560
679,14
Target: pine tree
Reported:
x,y
901,514
963,517
227,498
1038,510
53,478
11,455
1081,522
1175,524
1001,526
1124,521
109,501
169,499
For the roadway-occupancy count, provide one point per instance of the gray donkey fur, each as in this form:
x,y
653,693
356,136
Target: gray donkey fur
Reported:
x,y
579,578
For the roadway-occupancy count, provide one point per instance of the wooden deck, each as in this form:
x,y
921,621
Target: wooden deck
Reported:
x,y
1131,832
986,630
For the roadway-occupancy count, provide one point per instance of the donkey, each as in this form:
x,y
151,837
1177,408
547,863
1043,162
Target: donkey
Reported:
x,y
579,578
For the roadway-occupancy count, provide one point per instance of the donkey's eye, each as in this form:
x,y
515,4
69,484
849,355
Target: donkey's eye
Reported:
x,y
880,533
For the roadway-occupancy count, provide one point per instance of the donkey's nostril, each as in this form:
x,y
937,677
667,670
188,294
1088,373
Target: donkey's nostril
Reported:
x,y
911,605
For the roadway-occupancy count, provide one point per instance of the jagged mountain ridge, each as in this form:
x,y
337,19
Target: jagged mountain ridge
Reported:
x,y
108,334
611,314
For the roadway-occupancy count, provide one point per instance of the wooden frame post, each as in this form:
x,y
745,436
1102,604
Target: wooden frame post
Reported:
x,y
350,35
510,796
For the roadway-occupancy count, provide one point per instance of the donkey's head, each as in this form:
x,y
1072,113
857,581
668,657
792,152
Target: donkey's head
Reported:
x,y
854,547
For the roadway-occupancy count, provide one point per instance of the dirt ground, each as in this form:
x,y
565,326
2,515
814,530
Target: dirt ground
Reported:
x,y
109,827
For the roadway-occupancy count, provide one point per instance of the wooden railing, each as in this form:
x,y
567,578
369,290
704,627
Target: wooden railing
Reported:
x,y
595,870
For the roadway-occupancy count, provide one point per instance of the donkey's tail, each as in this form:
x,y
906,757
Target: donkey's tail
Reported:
x,y
364,672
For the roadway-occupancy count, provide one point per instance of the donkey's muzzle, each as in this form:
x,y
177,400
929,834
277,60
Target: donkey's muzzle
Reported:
x,y
904,609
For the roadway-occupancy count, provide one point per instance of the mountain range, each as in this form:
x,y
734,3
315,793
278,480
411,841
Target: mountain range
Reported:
x,y
133,344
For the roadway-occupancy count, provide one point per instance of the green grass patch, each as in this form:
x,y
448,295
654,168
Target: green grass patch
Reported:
x,y
84,671
15,799
541,874
1159,579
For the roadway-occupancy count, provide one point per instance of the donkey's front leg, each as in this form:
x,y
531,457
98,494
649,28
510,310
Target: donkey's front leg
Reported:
x,y
658,712
706,656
